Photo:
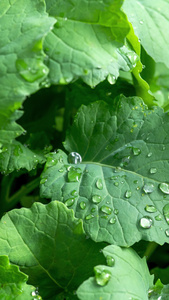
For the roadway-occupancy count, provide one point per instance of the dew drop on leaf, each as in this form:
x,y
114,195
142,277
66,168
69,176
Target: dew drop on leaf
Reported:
x,y
93,210
112,220
96,199
166,212
150,208
74,193
167,232
99,184
116,211
135,181
89,217
74,174
110,260
43,180
158,218
69,202
146,222
149,154
164,187
148,188
82,205
61,170
116,183
74,158
105,209
102,277
136,151
128,194
153,170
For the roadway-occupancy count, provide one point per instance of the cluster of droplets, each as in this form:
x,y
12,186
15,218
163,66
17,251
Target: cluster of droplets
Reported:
x,y
35,295
103,274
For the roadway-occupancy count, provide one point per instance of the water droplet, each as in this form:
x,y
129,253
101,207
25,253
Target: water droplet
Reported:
x,y
146,222
158,218
111,79
96,199
141,22
150,208
74,193
99,184
153,170
93,210
135,181
149,154
112,220
164,187
136,151
43,180
82,205
102,276
116,211
74,174
148,188
128,194
30,72
74,158
116,183
61,170
137,188
69,202
105,209
110,261
89,217
167,232
166,212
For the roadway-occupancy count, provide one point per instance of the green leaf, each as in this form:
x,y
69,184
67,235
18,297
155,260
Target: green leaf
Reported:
x,y
22,28
159,292
163,274
49,245
150,20
87,45
129,277
13,282
15,156
121,185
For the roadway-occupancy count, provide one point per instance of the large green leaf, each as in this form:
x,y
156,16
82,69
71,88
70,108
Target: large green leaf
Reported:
x,y
120,189
87,41
150,20
13,282
126,276
49,245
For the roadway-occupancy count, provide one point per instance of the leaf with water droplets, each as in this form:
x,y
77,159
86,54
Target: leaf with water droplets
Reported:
x,y
112,179
110,282
55,251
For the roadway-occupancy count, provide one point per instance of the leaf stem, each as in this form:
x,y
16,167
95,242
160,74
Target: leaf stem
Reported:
x,y
150,249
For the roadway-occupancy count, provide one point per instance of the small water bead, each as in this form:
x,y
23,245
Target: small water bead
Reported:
x,y
149,154
158,218
128,194
135,181
150,208
141,22
69,202
74,158
166,212
89,217
110,260
116,211
102,277
93,210
105,209
164,187
74,193
43,180
146,222
148,188
136,151
112,220
153,170
104,217
99,184
82,205
61,170
116,183
74,174
96,199
167,232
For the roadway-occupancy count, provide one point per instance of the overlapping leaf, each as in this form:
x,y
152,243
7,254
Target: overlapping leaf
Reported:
x,y
13,282
49,245
150,20
120,189
126,276
87,41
